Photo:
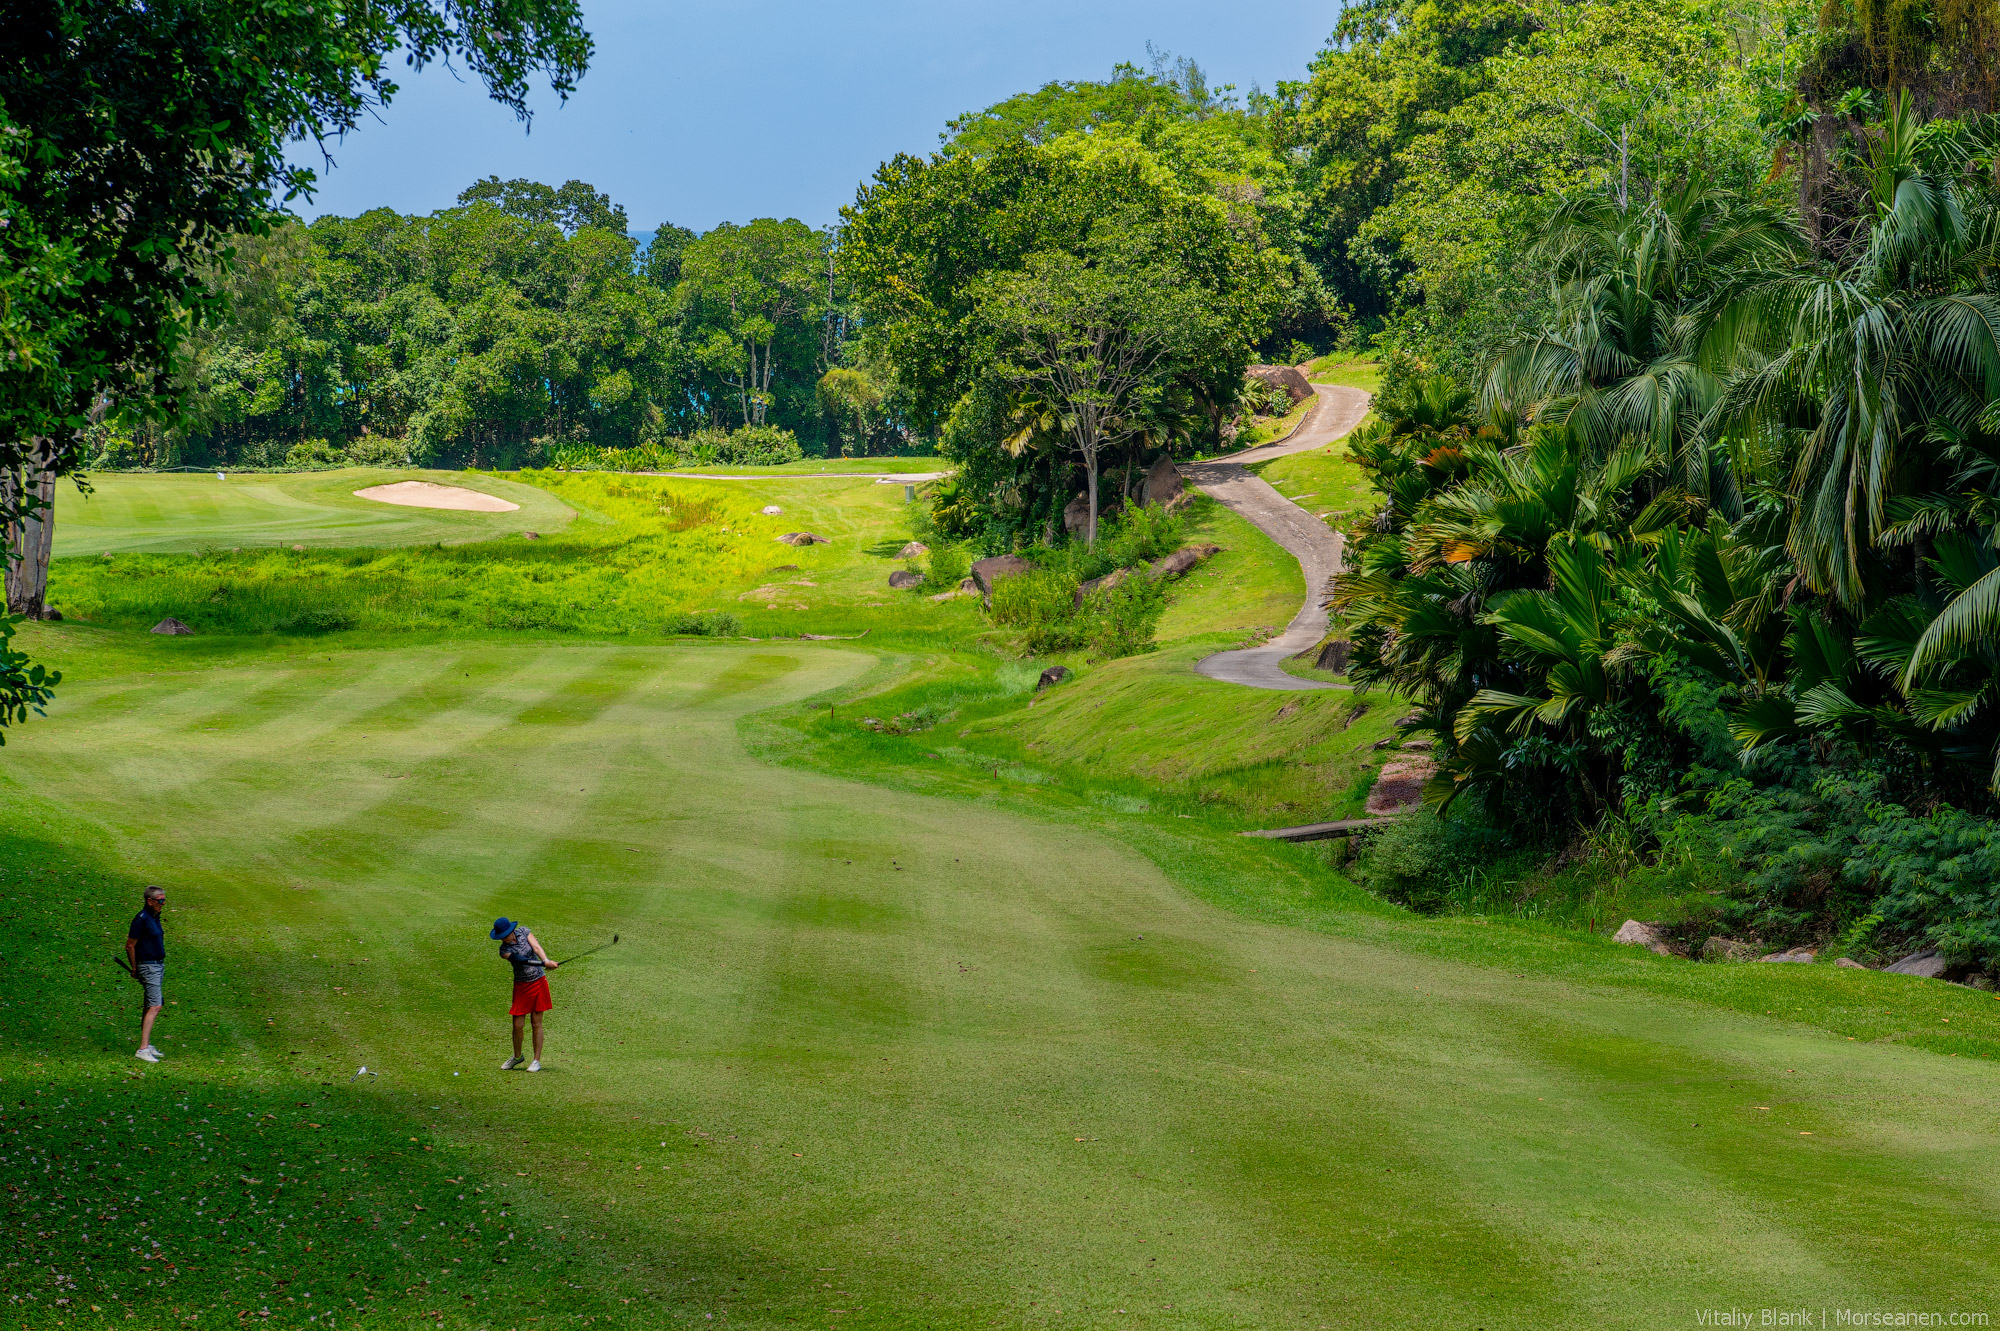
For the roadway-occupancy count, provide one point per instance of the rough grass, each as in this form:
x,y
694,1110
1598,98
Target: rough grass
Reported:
x,y
162,512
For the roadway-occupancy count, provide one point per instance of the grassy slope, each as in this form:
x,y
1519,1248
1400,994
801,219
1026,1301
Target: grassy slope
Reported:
x,y
939,1049
179,512
645,547
1152,722
1362,371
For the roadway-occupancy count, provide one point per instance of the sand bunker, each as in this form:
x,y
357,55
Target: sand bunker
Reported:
x,y
429,494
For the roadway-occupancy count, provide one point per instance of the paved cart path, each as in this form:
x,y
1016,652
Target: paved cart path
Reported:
x,y
1315,545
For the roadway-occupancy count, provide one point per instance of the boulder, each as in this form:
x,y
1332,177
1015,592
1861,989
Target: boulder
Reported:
x,y
172,627
1180,501
1286,377
1801,955
1928,964
1076,515
770,510
991,569
50,613
1727,949
913,550
1103,584
968,584
1053,675
1163,482
1184,559
1850,963
902,579
1333,656
1652,937
531,536
803,538
299,549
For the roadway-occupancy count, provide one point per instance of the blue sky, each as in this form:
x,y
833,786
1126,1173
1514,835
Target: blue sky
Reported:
x,y
728,110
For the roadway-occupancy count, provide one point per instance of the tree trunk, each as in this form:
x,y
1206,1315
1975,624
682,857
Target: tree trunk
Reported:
x,y
31,538
1090,469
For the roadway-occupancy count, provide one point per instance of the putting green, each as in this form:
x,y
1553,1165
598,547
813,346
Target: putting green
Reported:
x,y
192,511
867,1058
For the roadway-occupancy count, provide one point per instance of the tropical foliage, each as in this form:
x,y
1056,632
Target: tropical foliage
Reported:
x,y
1711,552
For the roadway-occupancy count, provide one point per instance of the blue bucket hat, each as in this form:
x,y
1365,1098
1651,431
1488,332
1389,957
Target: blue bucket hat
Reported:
x,y
502,927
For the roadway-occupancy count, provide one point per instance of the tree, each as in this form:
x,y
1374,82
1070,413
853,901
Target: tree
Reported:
x,y
662,260
749,290
1091,339
572,207
930,242
154,134
1868,360
1618,360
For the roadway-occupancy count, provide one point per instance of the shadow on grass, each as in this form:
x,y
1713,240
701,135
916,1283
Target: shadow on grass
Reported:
x,y
265,1186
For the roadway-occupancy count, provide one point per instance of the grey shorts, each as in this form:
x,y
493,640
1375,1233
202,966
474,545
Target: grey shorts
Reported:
x,y
152,974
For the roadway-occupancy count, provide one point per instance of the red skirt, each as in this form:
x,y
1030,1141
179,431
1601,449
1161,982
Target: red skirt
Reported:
x,y
531,996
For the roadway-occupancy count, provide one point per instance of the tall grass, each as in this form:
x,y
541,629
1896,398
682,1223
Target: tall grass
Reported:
x,y
667,545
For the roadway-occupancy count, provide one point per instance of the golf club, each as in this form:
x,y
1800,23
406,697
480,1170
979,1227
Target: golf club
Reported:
x,y
581,955
119,962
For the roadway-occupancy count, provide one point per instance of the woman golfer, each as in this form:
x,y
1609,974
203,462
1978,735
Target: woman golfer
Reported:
x,y
519,949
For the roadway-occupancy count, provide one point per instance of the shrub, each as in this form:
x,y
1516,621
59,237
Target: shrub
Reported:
x,y
761,446
750,446
1938,878
946,568
320,619
1420,860
374,450
703,624
314,453
1120,621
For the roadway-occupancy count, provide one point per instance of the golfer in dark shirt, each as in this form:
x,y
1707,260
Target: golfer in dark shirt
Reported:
x,y
520,949
146,954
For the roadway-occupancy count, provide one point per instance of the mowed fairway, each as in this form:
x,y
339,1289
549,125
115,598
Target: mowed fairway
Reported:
x,y
871,1059
160,512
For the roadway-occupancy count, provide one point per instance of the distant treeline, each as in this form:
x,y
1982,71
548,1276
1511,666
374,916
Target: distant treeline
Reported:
x,y
522,322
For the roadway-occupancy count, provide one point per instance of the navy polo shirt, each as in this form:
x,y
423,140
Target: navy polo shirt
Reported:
x,y
151,937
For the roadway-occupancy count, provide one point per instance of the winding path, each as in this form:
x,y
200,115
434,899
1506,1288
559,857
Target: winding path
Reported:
x,y
1311,542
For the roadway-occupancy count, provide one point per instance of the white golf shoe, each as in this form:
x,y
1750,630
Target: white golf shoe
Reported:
x,y
511,1064
535,1066
148,1055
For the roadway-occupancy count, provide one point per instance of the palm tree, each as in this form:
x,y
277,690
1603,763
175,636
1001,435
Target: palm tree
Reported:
x,y
1617,361
1863,362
